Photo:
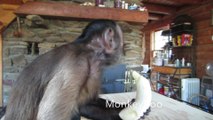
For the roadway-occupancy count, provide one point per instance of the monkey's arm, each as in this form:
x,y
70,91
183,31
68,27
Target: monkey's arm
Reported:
x,y
59,100
101,109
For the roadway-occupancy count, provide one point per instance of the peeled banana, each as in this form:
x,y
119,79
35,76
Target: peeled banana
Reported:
x,y
142,103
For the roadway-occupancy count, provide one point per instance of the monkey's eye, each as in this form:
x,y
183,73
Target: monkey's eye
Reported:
x,y
110,40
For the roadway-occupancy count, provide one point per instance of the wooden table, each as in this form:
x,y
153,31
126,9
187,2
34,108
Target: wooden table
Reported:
x,y
163,108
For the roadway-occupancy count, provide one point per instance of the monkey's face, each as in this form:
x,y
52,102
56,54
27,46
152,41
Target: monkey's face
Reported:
x,y
113,45
104,38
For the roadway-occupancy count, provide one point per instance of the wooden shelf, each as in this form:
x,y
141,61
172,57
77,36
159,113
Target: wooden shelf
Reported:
x,y
172,70
57,9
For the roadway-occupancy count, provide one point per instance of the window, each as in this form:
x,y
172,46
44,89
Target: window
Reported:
x,y
159,41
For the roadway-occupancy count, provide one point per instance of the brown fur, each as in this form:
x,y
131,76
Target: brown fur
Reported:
x,y
54,85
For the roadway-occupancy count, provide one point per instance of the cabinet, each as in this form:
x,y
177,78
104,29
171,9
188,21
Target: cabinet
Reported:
x,y
169,78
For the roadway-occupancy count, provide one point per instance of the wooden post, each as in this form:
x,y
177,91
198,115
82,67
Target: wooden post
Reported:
x,y
6,17
1,79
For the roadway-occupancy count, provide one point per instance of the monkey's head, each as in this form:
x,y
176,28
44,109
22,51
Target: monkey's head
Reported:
x,y
105,39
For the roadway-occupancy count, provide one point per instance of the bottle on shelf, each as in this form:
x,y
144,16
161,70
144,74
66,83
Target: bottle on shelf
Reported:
x,y
117,4
98,2
183,62
177,63
123,4
126,6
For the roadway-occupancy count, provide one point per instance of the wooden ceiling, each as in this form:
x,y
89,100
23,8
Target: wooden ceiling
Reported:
x,y
161,8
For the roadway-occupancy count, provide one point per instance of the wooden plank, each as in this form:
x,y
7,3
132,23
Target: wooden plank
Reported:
x,y
6,15
57,9
187,1
11,2
172,70
204,40
158,24
8,6
204,48
155,16
205,55
203,24
1,71
154,8
204,36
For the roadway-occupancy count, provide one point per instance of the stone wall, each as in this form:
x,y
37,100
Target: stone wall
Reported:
x,y
38,35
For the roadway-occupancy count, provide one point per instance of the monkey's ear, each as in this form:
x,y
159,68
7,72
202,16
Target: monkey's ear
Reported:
x,y
109,40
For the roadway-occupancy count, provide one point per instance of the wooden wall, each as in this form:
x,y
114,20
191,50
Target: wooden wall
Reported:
x,y
203,43
147,45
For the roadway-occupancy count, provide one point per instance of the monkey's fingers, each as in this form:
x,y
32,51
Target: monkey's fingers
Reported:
x,y
145,114
147,111
132,101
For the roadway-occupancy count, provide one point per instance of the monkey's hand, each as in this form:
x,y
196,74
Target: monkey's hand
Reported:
x,y
142,103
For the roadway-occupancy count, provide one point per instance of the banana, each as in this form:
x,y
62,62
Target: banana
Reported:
x,y
142,103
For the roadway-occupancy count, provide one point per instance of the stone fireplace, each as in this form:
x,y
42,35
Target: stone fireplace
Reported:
x,y
35,35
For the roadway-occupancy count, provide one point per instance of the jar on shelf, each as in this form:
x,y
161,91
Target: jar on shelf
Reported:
x,y
123,4
99,2
177,63
126,6
117,4
109,3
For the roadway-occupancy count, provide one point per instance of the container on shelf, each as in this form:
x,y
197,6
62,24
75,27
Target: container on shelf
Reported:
x,y
182,40
99,2
177,63
117,3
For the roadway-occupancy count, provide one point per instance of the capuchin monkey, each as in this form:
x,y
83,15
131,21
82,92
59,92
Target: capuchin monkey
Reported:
x,y
65,82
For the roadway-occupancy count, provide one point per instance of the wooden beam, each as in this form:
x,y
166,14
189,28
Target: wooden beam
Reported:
x,y
158,24
6,17
172,70
1,72
154,16
16,2
8,7
57,9
187,1
161,9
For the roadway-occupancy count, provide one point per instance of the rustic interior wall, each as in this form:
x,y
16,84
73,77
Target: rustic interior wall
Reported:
x,y
203,43
202,15
38,35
